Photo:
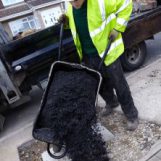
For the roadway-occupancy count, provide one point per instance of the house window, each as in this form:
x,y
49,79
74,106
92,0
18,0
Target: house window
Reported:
x,y
10,2
23,24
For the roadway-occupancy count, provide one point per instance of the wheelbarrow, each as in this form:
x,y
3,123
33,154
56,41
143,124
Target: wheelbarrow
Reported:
x,y
43,132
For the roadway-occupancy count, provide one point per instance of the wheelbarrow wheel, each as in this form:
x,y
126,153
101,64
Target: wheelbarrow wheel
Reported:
x,y
59,153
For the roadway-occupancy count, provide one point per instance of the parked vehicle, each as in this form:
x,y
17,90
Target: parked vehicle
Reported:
x,y
141,27
26,62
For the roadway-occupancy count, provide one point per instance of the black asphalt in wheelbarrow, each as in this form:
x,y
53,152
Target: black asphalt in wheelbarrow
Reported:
x,y
43,128
42,131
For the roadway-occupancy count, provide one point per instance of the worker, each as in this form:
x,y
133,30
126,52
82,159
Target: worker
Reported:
x,y
92,24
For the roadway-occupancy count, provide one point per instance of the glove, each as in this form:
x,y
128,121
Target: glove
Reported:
x,y
113,35
63,19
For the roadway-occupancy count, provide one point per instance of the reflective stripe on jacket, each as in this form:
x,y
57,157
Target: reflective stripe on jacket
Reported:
x,y
103,16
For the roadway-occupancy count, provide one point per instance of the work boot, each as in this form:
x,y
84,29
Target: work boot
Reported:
x,y
132,124
108,110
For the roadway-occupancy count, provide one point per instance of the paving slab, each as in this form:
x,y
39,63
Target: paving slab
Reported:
x,y
154,154
158,155
9,144
154,159
145,85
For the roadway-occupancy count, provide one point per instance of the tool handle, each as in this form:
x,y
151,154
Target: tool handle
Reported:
x,y
60,40
105,53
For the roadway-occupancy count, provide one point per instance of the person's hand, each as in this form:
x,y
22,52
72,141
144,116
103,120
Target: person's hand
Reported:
x,y
63,19
113,35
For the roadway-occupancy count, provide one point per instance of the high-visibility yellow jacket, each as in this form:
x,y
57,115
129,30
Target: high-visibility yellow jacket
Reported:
x,y
103,16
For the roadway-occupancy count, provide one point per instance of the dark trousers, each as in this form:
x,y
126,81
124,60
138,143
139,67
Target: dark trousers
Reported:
x,y
113,78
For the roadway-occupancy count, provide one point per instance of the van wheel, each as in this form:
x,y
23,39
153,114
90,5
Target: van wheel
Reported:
x,y
134,57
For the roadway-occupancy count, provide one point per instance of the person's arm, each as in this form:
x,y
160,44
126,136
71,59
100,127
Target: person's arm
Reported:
x,y
123,12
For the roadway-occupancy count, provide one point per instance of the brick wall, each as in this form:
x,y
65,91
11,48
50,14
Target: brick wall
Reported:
x,y
13,10
20,8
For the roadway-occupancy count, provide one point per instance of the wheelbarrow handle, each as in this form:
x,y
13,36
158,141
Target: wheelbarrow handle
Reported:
x,y
105,53
60,40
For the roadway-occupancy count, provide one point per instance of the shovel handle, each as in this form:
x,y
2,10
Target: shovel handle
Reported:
x,y
60,40
105,53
